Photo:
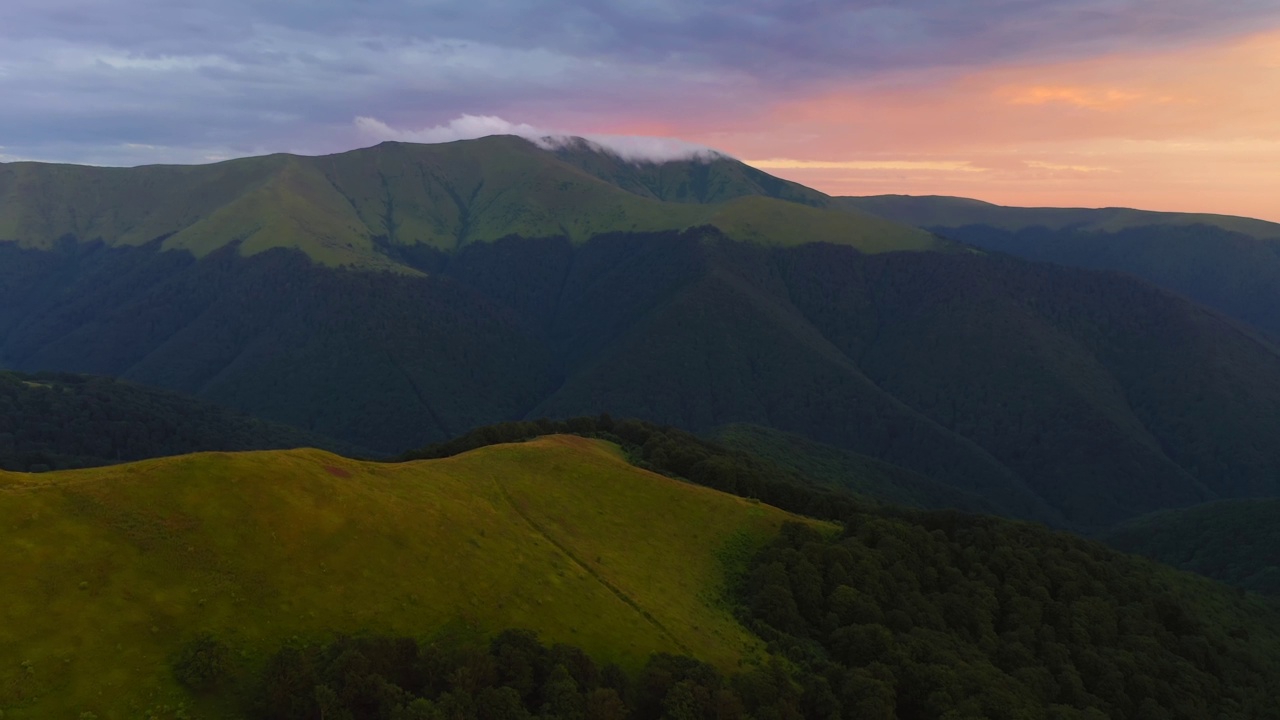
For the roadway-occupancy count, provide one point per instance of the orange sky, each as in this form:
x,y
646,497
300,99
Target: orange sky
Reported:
x,y
1196,129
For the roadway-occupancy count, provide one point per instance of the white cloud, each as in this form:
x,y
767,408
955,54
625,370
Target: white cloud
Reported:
x,y
632,148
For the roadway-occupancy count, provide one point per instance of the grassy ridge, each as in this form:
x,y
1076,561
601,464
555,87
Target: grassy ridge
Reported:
x,y
941,211
343,209
109,571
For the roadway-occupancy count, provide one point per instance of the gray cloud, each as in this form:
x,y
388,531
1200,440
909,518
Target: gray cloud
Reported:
x,y
83,79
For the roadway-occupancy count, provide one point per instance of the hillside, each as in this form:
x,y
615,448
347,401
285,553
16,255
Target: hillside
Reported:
x,y
953,212
389,206
1228,263
859,474
934,615
1072,397
59,421
1235,541
111,571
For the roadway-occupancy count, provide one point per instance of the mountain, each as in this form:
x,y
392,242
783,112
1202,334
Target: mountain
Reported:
x,y
58,421
1228,263
109,572
1061,395
1235,541
1067,396
383,207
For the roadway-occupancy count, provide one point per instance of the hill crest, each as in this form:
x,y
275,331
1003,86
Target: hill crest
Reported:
x,y
347,209
110,570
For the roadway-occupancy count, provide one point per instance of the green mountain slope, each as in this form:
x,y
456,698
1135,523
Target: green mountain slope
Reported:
x,y
372,208
1231,264
110,571
55,421
1235,541
1069,396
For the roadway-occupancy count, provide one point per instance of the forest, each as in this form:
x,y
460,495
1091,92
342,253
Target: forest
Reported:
x,y
61,421
1234,541
918,615
1071,397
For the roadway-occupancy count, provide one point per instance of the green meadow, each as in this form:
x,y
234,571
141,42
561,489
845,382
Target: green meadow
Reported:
x,y
111,571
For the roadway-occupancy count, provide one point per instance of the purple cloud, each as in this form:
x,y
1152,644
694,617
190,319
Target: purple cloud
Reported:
x,y
90,81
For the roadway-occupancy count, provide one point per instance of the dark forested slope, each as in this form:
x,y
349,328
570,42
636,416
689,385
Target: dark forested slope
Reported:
x,y
930,615
56,421
1235,541
1228,263
1056,394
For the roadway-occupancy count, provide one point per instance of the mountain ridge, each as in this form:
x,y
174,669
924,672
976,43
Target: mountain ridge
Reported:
x,y
1229,263
344,209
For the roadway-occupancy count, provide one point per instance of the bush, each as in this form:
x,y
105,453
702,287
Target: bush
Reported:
x,y
202,664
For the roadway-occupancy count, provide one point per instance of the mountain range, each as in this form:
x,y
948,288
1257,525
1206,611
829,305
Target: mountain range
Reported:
x,y
848,391
1231,264
403,294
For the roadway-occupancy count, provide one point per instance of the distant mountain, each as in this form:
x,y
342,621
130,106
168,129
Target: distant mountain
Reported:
x,y
944,211
1228,263
1235,541
57,421
381,207
1064,395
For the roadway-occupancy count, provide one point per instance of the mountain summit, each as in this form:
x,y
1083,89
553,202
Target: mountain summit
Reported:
x,y
371,208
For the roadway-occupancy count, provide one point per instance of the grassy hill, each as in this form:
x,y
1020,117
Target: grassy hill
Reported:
x,y
934,615
111,571
376,207
1235,541
1228,263
59,421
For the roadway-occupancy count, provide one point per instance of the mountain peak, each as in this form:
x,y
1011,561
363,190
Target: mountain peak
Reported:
x,y
355,208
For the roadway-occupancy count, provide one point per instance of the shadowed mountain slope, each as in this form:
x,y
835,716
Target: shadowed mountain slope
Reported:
x,y
1235,541
1229,263
1063,395
59,421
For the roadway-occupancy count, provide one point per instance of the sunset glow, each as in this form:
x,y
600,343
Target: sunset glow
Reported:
x,y
1160,104
1192,129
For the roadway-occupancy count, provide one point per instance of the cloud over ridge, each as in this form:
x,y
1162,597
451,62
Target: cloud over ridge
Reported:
x,y
631,148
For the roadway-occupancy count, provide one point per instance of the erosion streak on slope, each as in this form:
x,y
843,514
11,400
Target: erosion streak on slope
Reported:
x,y
585,567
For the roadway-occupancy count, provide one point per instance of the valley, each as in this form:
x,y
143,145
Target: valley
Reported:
x,y
294,433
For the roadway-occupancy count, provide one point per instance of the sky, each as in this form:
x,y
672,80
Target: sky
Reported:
x,y
1158,104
